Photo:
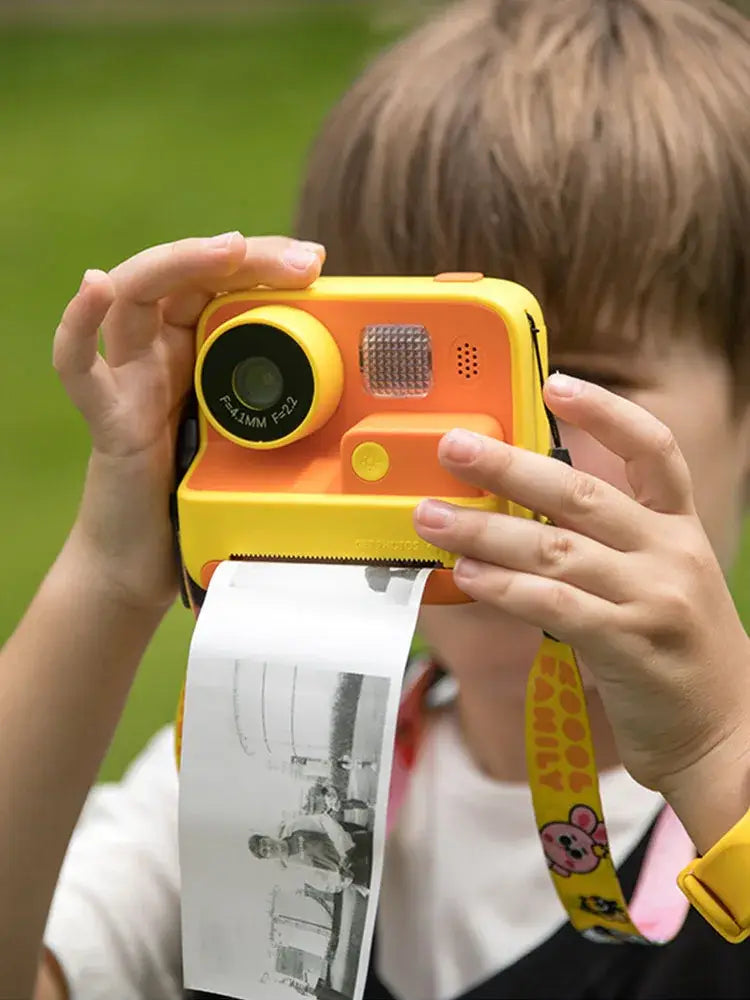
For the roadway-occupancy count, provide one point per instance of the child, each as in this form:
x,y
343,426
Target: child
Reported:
x,y
599,153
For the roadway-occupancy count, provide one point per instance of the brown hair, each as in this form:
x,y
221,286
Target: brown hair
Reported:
x,y
597,151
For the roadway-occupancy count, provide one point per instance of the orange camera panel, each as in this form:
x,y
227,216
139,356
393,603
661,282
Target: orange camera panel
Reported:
x,y
317,415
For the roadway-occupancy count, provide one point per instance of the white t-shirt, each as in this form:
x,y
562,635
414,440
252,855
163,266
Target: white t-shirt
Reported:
x,y
463,854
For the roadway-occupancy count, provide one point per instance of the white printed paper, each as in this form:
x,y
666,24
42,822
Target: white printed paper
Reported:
x,y
293,688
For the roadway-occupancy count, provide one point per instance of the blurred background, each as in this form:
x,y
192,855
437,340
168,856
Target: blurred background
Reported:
x,y
126,124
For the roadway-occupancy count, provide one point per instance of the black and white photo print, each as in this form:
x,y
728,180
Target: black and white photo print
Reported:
x,y
286,765
309,749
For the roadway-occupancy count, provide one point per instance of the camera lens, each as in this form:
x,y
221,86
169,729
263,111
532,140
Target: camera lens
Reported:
x,y
258,383
269,376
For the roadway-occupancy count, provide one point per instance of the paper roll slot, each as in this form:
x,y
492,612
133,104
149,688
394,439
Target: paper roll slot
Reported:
x,y
439,589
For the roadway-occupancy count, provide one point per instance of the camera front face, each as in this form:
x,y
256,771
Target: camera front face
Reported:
x,y
320,412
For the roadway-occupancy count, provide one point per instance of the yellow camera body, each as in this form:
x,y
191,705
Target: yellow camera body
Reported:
x,y
313,430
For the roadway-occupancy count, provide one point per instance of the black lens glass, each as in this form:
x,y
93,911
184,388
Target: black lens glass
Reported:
x,y
257,382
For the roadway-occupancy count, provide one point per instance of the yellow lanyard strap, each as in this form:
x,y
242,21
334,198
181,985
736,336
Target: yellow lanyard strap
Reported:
x,y
567,805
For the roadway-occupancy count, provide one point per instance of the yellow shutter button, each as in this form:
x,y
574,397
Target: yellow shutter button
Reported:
x,y
370,461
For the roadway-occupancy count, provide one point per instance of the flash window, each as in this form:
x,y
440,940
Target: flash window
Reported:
x,y
396,360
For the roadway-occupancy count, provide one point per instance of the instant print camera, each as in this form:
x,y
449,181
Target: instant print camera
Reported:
x,y
313,429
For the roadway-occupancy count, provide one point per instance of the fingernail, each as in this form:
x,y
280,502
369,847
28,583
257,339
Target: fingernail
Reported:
x,y
465,568
299,258
435,514
461,446
221,241
564,385
89,275
317,248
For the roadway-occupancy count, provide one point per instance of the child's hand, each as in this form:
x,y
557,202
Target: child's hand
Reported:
x,y
131,397
632,584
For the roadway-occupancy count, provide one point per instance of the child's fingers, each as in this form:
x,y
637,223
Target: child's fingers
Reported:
x,y
143,280
155,272
571,499
526,546
656,469
570,614
75,351
276,261
76,341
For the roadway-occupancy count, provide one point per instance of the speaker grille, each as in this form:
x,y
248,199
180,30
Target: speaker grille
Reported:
x,y
467,361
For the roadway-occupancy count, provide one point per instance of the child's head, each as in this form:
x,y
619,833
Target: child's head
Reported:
x,y
596,151
264,847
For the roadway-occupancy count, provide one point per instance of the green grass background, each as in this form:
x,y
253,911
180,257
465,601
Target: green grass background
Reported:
x,y
115,137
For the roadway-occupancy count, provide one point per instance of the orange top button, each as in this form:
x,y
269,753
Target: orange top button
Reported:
x,y
459,276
